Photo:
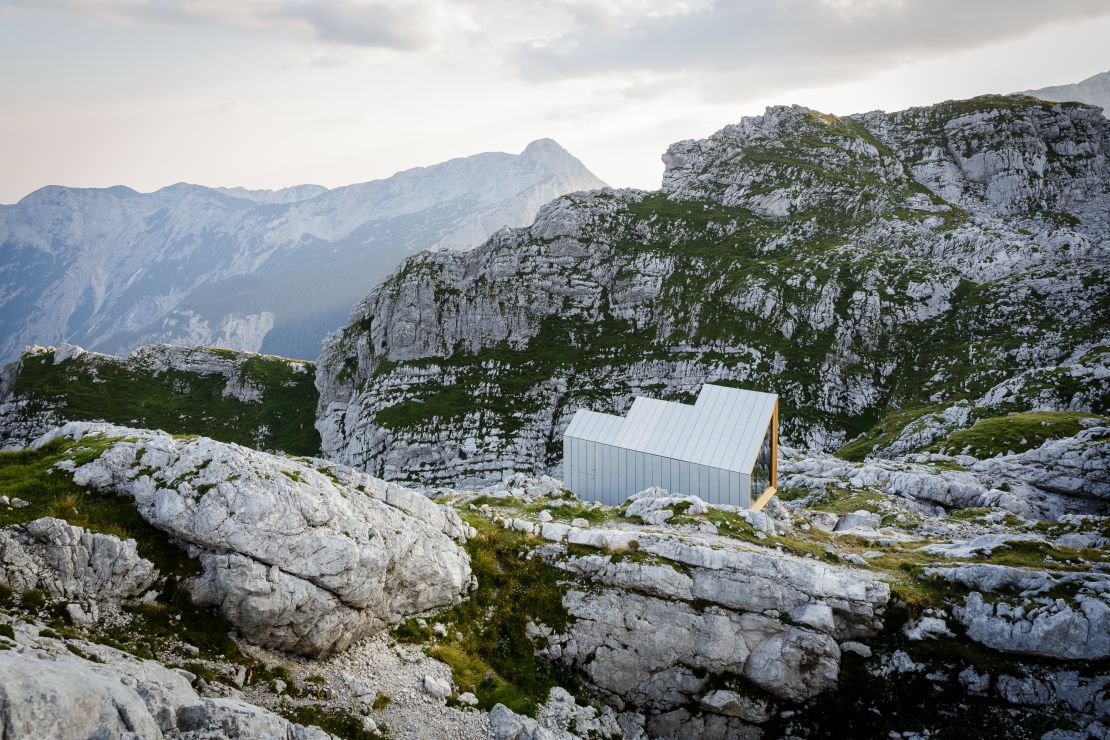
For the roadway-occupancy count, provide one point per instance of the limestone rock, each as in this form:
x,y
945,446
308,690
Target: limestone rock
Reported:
x,y
733,704
746,580
561,718
1056,630
302,557
437,688
649,652
71,563
50,692
858,520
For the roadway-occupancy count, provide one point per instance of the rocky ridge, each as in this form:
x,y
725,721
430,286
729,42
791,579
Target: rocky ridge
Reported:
x,y
261,401
1094,90
945,263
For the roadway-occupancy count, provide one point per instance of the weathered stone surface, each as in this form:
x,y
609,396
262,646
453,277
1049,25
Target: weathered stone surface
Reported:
x,y
561,718
302,556
1062,477
1008,610
71,563
984,544
1056,630
47,691
1073,466
648,651
733,704
747,580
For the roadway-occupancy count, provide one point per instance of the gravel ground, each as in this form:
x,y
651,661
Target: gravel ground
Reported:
x,y
378,667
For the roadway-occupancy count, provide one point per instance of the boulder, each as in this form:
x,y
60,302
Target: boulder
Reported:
x,y
69,562
300,555
437,688
856,520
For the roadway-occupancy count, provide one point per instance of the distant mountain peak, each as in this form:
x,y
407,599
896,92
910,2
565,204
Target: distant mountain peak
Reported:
x,y
544,146
113,268
1095,90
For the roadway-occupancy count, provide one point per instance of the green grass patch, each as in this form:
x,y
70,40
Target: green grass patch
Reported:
x,y
96,389
1014,432
846,500
331,719
494,658
1044,556
885,431
570,511
27,474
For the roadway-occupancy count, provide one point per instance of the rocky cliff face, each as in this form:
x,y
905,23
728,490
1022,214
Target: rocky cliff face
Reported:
x,y
112,269
894,277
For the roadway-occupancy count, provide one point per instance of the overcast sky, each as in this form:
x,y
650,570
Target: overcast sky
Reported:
x,y
268,93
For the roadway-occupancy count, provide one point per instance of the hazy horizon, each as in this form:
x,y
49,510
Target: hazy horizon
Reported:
x,y
275,93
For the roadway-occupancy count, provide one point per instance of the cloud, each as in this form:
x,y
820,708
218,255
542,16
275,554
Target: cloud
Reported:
x,y
721,50
731,48
406,25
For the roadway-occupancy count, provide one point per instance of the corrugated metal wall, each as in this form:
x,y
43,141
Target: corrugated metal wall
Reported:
x,y
600,472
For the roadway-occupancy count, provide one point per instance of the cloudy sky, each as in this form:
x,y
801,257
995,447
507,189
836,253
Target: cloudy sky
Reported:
x,y
268,93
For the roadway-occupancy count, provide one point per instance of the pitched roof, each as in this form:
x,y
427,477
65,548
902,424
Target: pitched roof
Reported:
x,y
722,429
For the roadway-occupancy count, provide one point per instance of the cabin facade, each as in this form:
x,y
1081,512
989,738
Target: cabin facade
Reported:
x,y
723,449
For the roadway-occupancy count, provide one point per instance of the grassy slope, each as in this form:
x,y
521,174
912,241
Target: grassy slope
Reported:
x,y
1014,432
181,402
487,647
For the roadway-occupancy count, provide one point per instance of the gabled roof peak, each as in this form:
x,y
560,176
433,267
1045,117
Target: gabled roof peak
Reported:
x,y
723,428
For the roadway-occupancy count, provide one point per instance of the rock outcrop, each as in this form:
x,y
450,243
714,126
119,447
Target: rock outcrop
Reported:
x,y
561,718
48,690
68,562
1059,478
658,622
713,622
1015,610
301,556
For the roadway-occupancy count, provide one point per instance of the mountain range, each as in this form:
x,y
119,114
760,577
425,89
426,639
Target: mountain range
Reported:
x,y
1094,90
204,542
892,276
271,271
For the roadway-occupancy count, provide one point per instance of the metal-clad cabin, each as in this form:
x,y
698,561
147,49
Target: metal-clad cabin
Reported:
x,y
723,449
